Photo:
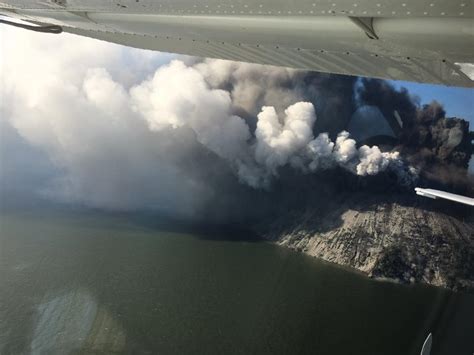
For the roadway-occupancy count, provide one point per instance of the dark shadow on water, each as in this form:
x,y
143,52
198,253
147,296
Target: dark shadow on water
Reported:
x,y
201,230
147,221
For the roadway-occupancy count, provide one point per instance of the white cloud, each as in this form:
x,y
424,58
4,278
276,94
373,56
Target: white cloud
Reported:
x,y
278,142
127,128
59,94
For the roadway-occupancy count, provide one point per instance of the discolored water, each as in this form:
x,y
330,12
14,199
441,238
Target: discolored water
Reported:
x,y
85,284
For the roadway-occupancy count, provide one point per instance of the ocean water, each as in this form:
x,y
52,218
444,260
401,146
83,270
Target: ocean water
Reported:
x,y
79,283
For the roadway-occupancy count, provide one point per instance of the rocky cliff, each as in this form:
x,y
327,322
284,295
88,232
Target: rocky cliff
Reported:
x,y
376,225
399,237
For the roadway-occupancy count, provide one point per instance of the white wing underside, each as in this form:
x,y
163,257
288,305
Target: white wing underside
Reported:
x,y
424,41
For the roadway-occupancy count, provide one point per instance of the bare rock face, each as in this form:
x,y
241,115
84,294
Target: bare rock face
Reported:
x,y
398,239
374,224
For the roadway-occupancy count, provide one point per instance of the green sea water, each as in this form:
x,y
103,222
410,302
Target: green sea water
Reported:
x,y
82,283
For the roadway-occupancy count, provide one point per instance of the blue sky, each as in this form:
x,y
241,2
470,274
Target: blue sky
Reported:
x,y
458,102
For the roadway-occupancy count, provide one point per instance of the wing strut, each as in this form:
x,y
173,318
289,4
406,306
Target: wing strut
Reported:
x,y
435,194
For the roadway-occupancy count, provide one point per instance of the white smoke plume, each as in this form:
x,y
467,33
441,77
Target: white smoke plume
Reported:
x,y
178,96
280,143
131,141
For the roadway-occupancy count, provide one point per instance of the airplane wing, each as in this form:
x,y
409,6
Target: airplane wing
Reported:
x,y
434,194
424,41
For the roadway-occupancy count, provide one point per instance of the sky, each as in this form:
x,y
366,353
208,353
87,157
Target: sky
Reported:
x,y
458,102
94,123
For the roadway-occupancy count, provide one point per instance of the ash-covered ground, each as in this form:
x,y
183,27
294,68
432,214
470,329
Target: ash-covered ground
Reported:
x,y
380,230
376,224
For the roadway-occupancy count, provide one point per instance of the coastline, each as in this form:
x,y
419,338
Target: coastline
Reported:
x,y
385,241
